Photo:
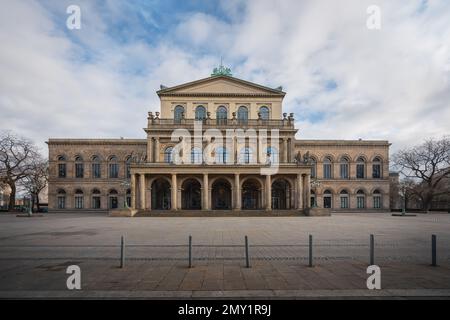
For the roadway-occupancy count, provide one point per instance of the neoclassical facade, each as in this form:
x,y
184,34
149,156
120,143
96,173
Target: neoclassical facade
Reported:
x,y
218,144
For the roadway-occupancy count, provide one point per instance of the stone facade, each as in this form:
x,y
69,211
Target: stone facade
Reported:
x,y
219,143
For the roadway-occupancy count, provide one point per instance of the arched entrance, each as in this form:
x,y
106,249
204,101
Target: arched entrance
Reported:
x,y
160,194
221,195
191,196
251,190
281,195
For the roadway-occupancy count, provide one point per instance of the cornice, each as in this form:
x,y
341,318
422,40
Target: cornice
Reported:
x,y
97,142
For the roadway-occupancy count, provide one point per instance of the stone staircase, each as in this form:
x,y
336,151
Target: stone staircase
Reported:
x,y
220,213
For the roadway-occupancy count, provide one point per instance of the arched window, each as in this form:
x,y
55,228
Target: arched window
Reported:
x,y
313,199
242,115
327,172
79,199
113,199
313,168
360,199
344,199
200,113
221,155
96,200
360,168
113,167
272,155
376,168
377,199
128,167
344,168
264,112
221,115
178,114
246,155
196,155
79,167
168,158
96,169
61,199
62,169
327,199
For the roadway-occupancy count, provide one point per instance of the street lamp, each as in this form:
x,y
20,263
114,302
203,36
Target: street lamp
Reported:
x,y
125,185
314,185
403,195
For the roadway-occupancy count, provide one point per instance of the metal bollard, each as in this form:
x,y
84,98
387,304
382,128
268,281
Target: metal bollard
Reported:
x,y
190,251
122,252
310,251
372,250
433,250
247,258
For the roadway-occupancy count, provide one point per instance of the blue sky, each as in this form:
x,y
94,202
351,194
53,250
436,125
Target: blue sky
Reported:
x,y
343,81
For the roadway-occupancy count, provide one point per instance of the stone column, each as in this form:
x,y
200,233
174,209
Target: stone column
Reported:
x,y
285,150
308,191
268,201
237,193
142,191
205,205
150,150
157,153
133,191
173,196
299,190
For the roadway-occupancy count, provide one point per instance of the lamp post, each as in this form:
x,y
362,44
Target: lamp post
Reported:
x,y
30,205
125,185
314,185
403,195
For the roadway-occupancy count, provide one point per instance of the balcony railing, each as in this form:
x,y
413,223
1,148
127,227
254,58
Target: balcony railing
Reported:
x,y
222,123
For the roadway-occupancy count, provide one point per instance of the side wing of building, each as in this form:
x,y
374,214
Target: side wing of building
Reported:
x,y
88,174
348,174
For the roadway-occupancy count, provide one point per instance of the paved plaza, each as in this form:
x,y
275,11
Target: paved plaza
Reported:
x,y
35,252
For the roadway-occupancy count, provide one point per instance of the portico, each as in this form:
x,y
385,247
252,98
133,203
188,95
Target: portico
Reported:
x,y
219,187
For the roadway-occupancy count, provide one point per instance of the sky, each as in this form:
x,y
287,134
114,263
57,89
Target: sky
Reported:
x,y
343,80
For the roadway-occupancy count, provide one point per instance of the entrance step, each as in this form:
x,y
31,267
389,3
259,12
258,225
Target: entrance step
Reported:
x,y
220,213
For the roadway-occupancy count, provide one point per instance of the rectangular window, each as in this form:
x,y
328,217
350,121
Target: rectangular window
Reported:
x,y
95,202
344,171
79,170
327,171
377,202
376,171
128,201
344,202
360,202
61,202
96,170
79,202
313,171
62,170
128,171
113,170
327,202
113,203
360,171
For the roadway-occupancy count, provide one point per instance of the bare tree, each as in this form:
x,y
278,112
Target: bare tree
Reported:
x,y
16,161
427,165
36,180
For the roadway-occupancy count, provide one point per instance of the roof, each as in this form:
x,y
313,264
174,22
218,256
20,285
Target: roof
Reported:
x,y
261,90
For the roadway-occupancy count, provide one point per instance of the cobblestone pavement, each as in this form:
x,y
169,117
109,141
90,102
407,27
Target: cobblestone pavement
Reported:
x,y
35,252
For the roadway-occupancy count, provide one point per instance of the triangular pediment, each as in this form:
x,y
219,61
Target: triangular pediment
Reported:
x,y
220,85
